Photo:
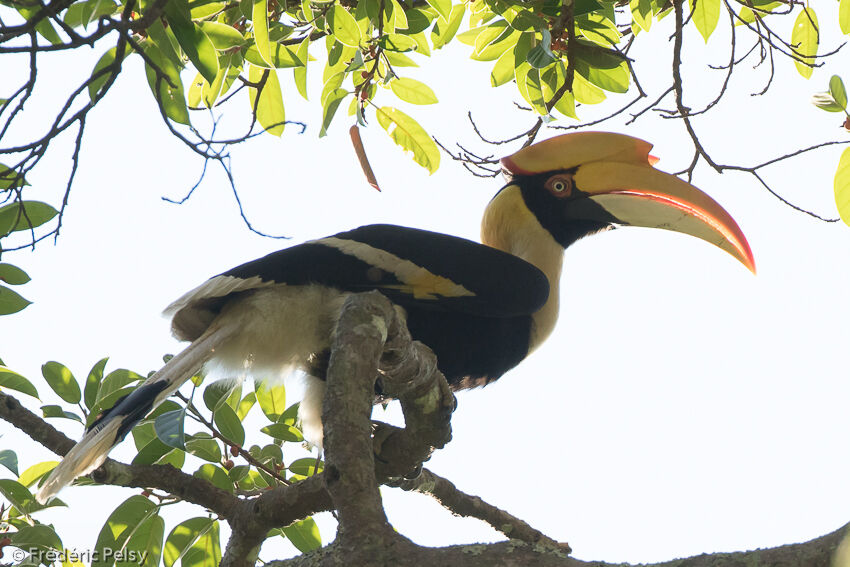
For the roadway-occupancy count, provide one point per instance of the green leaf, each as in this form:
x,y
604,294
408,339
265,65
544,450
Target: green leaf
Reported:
x,y
43,27
81,14
106,60
39,536
216,476
151,452
304,535
268,101
204,448
283,432
306,467
408,134
540,56
443,34
705,14
413,91
9,459
120,527
417,21
93,381
330,104
24,215
19,496
14,381
13,275
272,398
228,423
206,551
166,88
106,403
146,541
290,416
116,380
35,472
57,411
844,16
216,394
443,8
62,381
195,43
836,89
222,36
842,186
169,428
804,41
182,537
344,26
10,178
604,70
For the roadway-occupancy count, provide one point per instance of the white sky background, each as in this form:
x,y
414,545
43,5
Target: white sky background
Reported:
x,y
682,405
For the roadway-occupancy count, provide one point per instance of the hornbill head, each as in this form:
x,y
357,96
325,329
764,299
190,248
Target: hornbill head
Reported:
x,y
580,183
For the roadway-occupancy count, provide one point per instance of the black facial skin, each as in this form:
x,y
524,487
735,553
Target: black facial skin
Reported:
x,y
567,218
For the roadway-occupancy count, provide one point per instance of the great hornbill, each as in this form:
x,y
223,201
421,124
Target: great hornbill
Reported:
x,y
482,308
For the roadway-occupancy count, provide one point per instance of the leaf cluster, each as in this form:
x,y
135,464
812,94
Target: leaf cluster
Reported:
x,y
213,449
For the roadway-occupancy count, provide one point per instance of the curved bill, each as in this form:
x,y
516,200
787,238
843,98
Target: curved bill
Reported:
x,y
638,195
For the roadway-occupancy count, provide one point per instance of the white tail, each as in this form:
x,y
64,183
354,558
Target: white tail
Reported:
x,y
91,451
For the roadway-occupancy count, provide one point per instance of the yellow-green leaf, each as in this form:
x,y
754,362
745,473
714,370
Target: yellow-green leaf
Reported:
x,y
804,40
408,134
503,70
528,83
442,33
330,104
344,26
641,13
844,16
260,18
35,472
221,35
443,8
11,379
705,14
413,91
300,73
280,56
211,92
269,104
842,187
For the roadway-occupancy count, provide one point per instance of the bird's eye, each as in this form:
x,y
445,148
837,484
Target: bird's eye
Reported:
x,y
560,185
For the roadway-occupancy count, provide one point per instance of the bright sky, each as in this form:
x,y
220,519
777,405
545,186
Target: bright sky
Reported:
x,y
682,405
